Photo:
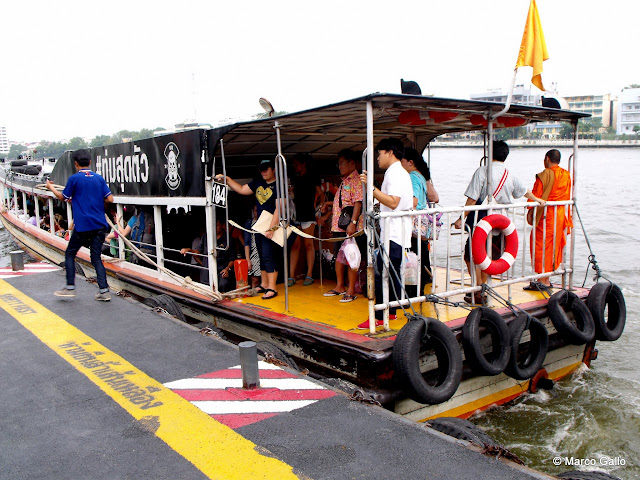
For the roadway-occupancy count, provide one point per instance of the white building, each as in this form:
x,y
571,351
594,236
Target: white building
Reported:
x,y
628,111
4,141
521,95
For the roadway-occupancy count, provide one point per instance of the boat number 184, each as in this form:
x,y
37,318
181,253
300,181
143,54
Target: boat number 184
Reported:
x,y
219,195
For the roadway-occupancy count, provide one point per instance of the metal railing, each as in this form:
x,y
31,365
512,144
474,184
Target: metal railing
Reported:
x,y
447,252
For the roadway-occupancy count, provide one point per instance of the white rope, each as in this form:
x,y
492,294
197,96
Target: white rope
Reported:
x,y
298,232
186,282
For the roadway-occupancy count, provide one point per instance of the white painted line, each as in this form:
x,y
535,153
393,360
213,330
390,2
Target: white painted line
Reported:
x,y
262,366
222,383
256,406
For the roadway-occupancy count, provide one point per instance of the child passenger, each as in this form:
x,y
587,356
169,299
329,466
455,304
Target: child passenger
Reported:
x,y
266,195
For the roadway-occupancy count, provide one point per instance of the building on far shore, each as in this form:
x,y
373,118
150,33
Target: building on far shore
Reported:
x,y
4,141
521,95
628,111
598,106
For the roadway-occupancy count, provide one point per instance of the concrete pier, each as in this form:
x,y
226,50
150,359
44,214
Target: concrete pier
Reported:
x,y
107,390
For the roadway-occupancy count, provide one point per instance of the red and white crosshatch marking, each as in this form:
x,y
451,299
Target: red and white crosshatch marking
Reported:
x,y
220,394
29,269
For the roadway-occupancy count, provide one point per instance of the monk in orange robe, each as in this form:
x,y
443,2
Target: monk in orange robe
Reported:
x,y
553,184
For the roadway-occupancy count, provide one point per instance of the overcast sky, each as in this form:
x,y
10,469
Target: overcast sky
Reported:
x,y
85,68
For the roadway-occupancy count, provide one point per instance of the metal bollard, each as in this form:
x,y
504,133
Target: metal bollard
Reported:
x,y
17,260
249,365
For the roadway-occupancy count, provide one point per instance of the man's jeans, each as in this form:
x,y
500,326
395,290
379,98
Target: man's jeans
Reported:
x,y
94,240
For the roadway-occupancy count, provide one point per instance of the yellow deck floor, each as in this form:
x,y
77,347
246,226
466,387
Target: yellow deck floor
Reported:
x,y
308,302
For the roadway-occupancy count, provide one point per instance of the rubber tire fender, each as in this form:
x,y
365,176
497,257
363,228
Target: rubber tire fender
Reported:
x,y
609,295
268,348
538,346
462,430
584,330
406,361
167,303
500,341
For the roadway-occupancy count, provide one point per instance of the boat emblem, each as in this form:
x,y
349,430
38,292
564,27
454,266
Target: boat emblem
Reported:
x,y
171,153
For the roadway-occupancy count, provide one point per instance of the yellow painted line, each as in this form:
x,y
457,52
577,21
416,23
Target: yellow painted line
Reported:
x,y
213,448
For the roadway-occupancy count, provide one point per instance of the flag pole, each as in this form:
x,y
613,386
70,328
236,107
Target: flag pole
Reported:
x,y
509,97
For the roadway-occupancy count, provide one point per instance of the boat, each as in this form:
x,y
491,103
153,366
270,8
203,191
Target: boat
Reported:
x,y
443,357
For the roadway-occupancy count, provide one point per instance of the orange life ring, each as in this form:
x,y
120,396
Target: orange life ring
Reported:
x,y
479,244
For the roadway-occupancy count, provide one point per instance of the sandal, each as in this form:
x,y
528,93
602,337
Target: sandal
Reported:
x,y
260,289
334,293
537,287
291,282
307,281
346,298
477,297
267,290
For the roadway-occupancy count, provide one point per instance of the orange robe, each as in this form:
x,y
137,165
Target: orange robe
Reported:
x,y
561,190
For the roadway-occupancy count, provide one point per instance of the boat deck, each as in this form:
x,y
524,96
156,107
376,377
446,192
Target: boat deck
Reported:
x,y
308,303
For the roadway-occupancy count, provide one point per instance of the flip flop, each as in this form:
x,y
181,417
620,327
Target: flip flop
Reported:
x,y
267,290
348,298
334,293
307,281
260,289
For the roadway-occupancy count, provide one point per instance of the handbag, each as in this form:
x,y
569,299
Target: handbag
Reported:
x,y
345,213
425,232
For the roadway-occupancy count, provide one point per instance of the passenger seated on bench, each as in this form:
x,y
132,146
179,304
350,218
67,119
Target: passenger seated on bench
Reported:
x,y
225,258
129,217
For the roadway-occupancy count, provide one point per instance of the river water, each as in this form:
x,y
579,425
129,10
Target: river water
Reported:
x,y
593,416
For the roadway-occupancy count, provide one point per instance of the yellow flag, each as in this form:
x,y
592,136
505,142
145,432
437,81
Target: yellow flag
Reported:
x,y
533,50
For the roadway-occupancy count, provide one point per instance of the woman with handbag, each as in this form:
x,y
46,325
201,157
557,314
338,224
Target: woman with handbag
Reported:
x,y
347,206
424,193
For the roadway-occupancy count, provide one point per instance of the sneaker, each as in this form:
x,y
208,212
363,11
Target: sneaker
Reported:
x,y
365,325
103,297
65,292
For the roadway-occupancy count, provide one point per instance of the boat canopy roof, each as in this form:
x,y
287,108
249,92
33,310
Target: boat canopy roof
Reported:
x,y
324,131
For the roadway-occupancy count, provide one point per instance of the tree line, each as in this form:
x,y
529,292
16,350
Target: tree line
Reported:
x,y
48,149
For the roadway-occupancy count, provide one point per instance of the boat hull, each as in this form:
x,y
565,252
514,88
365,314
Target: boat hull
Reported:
x,y
364,361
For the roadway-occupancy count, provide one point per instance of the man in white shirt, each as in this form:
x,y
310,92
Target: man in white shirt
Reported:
x,y
506,189
395,195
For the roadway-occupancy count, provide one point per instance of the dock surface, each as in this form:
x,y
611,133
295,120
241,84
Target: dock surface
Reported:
x,y
108,390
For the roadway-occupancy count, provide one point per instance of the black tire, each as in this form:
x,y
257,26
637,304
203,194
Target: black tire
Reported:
x,y
410,344
494,362
576,475
525,361
269,349
607,295
18,163
583,331
166,303
462,430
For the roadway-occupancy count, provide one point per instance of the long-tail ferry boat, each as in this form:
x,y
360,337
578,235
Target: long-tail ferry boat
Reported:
x,y
440,356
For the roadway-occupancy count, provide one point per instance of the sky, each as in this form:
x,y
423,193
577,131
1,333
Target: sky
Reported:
x,y
83,68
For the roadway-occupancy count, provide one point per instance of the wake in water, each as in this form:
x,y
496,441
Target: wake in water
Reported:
x,y
588,405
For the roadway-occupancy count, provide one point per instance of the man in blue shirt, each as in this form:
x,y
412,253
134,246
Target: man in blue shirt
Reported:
x,y
88,192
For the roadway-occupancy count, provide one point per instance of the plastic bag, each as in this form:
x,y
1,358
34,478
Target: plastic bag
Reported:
x,y
411,266
349,254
